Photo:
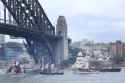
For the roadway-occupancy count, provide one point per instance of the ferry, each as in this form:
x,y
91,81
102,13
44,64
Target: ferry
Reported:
x,y
82,65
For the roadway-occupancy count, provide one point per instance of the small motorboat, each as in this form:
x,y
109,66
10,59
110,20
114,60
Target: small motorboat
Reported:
x,y
16,70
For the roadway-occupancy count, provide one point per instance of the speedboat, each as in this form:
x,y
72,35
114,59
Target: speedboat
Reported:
x,y
15,74
16,71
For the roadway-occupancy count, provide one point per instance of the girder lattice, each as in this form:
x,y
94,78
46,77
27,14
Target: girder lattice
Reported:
x,y
29,14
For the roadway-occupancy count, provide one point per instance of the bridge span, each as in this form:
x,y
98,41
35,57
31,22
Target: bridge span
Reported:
x,y
27,19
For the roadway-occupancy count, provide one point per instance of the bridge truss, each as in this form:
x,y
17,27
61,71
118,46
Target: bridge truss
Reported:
x,y
30,22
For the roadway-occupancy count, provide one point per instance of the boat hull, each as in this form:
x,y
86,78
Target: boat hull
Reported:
x,y
85,71
77,72
110,70
56,73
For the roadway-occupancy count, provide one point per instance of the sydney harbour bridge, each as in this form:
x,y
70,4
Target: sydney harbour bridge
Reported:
x,y
27,19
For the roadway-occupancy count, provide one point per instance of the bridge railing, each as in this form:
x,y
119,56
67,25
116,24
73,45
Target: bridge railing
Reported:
x,y
7,21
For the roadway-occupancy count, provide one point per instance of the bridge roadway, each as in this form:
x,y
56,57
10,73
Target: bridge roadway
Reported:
x,y
19,31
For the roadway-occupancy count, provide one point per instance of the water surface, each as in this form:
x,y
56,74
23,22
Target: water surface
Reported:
x,y
68,77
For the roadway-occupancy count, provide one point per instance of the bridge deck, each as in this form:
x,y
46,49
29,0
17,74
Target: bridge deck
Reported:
x,y
18,31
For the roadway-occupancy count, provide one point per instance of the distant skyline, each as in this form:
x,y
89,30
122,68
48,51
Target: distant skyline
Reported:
x,y
100,20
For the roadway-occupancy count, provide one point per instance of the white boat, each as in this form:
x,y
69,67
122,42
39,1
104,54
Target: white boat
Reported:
x,y
82,65
85,70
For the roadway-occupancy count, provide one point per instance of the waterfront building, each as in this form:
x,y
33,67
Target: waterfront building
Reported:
x,y
99,51
118,48
12,50
9,38
14,47
118,51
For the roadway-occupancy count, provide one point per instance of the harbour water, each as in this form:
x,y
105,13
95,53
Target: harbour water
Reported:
x,y
68,77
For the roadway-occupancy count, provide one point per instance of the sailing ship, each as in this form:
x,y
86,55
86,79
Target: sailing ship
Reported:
x,y
51,70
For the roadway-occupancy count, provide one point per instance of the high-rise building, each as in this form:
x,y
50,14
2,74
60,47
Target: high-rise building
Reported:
x,y
61,30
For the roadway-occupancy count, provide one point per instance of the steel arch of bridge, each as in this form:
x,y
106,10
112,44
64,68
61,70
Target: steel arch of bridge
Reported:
x,y
29,14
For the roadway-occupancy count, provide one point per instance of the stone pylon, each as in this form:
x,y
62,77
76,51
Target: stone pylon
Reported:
x,y
61,30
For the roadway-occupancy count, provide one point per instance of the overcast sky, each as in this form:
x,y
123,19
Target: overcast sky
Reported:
x,y
100,20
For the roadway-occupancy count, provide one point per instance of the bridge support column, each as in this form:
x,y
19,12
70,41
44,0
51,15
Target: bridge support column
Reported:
x,y
4,14
42,53
30,47
59,53
62,43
